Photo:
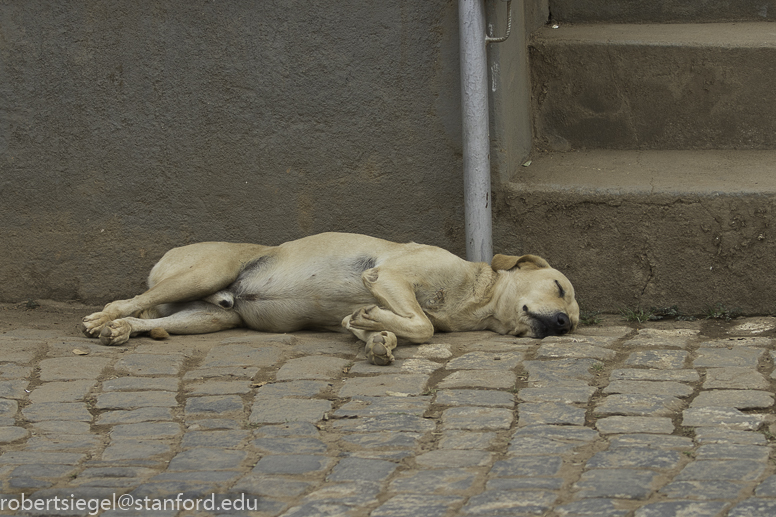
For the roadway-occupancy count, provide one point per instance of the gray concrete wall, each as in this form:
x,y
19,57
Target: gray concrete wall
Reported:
x,y
127,128
661,11
689,86
510,88
650,229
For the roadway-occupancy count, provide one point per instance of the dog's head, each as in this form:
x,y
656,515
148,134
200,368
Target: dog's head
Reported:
x,y
532,298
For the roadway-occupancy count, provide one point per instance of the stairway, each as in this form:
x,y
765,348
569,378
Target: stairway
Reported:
x,y
653,177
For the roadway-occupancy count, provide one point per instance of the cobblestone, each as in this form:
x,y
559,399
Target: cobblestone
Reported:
x,y
467,440
554,350
561,372
477,418
550,413
475,398
456,458
725,470
71,368
662,338
268,411
630,404
722,435
150,364
634,374
735,377
489,379
739,399
385,385
665,388
134,416
728,417
565,395
486,361
673,419
746,357
61,391
635,424
57,411
663,359
441,482
616,483
135,399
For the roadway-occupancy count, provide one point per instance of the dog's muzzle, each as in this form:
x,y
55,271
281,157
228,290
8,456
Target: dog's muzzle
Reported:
x,y
544,325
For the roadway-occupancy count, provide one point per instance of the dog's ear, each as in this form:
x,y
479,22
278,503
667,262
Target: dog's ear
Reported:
x,y
507,262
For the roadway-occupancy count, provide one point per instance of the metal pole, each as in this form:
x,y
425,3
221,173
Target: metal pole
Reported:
x,y
476,139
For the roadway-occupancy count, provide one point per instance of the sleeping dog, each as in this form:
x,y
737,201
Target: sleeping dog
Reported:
x,y
376,289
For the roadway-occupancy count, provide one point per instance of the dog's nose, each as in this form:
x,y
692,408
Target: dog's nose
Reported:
x,y
558,324
555,324
562,321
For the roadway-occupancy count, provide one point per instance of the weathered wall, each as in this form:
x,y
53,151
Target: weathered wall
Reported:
x,y
510,88
127,128
655,87
661,11
649,229
625,251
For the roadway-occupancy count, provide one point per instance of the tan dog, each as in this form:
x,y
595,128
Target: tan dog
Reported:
x,y
376,289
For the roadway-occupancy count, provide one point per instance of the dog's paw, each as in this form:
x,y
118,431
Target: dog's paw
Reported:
x,y
378,348
93,324
115,333
366,318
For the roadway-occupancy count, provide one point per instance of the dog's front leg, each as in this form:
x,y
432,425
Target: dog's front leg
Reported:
x,y
398,310
399,315
379,344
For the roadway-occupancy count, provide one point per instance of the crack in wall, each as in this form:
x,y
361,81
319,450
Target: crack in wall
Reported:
x,y
650,277
622,95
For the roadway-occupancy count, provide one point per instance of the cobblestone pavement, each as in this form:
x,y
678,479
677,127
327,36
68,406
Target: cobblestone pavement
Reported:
x,y
665,420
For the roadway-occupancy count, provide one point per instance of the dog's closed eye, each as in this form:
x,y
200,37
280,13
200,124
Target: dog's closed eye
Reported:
x,y
561,292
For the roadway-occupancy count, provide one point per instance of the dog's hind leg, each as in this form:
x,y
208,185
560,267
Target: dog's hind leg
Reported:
x,y
189,318
183,274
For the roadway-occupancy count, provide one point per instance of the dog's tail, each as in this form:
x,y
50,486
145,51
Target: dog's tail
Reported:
x,y
158,333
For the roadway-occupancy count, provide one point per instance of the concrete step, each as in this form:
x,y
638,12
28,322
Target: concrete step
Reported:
x,y
669,86
650,228
666,11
